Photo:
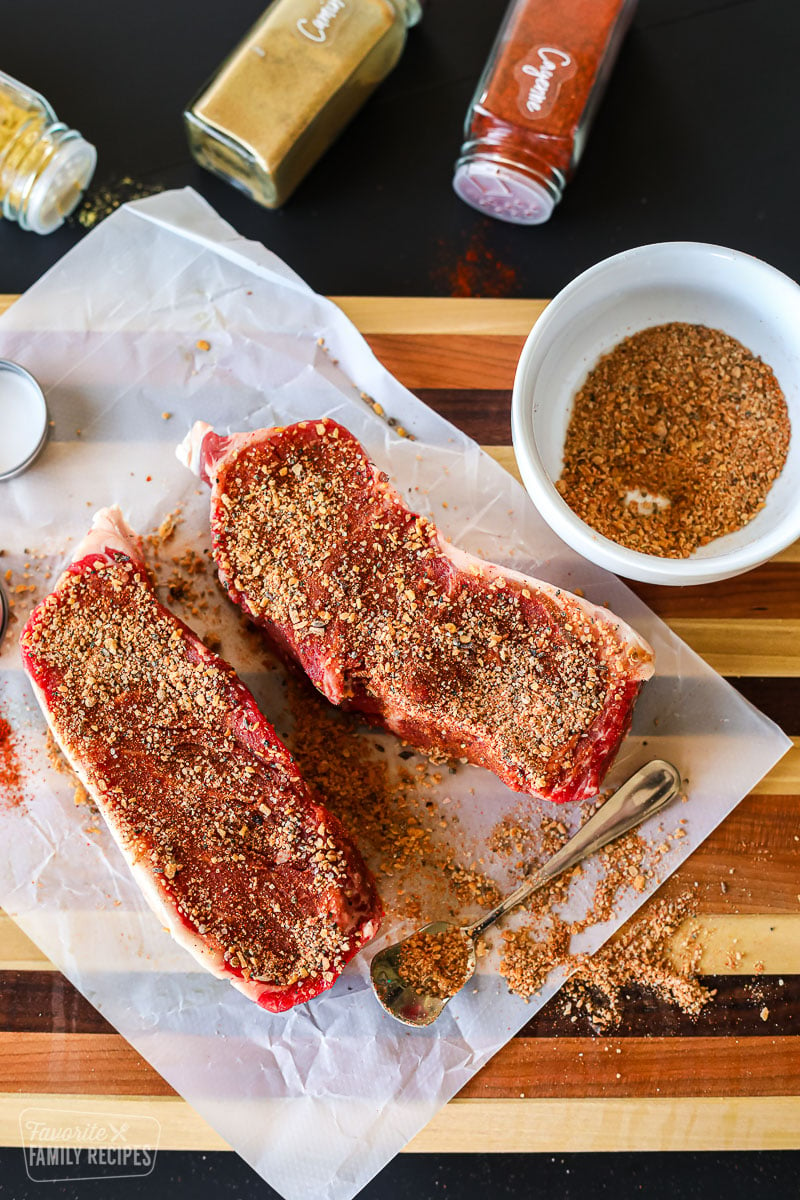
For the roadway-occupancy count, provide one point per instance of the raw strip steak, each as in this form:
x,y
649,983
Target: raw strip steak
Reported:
x,y
229,845
457,656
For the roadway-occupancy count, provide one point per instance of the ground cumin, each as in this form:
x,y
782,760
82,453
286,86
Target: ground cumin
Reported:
x,y
675,439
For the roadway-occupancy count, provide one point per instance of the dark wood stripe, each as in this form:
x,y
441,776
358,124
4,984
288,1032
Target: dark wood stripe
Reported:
x,y
768,591
777,698
46,1002
735,1011
482,413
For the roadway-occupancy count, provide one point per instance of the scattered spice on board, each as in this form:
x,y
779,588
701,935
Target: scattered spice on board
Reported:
x,y
435,964
675,438
643,954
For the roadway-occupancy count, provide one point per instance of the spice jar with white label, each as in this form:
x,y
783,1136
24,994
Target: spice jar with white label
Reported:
x,y
44,165
527,125
290,87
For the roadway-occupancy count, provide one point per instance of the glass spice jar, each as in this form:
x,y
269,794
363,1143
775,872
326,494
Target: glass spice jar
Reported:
x,y
527,124
44,165
290,87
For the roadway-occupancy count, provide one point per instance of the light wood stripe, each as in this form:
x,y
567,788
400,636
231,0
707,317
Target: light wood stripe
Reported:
x,y
743,646
770,938
429,315
181,1127
499,1126
784,778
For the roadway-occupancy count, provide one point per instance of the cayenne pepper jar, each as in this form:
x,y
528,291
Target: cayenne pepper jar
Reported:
x,y
527,124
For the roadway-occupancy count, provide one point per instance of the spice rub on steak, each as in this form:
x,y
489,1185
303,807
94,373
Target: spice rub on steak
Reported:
x,y
455,655
230,847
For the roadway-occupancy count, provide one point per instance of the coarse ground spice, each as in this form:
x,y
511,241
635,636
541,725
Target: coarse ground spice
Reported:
x,y
407,834
675,439
435,964
314,544
642,954
198,788
11,794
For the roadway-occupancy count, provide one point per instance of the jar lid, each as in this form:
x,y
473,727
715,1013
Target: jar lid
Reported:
x,y
23,419
3,614
60,184
502,192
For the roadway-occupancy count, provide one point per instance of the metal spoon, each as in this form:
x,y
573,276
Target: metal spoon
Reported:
x,y
645,793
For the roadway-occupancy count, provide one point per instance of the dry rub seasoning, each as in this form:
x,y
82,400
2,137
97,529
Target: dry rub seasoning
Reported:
x,y
435,964
675,439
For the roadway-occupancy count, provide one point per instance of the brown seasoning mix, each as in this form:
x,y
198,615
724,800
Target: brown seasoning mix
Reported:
x,y
675,439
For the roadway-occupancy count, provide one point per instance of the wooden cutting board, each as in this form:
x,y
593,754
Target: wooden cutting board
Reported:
x,y
729,1080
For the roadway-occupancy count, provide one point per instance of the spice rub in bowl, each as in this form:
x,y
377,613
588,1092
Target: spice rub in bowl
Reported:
x,y
680,364
675,438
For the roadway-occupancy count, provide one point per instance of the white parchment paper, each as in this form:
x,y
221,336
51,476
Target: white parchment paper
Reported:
x,y
319,1099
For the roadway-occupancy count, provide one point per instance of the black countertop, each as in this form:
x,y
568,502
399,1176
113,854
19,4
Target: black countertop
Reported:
x,y
695,139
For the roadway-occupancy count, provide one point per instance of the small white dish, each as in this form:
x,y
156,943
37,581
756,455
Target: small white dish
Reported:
x,y
652,285
23,419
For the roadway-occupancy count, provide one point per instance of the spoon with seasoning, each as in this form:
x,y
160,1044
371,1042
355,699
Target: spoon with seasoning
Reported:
x,y
416,977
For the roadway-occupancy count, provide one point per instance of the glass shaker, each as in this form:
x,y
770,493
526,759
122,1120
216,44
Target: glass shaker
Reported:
x,y
527,124
44,165
289,88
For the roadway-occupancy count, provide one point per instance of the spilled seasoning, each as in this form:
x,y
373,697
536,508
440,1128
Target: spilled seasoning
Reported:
x,y
404,831
106,197
11,793
477,271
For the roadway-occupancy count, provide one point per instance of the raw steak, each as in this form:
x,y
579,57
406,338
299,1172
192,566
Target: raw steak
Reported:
x,y
230,847
457,656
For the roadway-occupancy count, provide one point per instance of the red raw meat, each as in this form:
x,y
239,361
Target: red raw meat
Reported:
x,y
457,656
229,845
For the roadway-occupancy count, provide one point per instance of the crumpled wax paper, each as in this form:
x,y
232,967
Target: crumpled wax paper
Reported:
x,y
319,1099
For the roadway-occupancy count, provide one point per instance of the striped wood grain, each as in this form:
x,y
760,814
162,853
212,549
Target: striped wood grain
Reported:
x,y
496,1126
732,1081
541,1067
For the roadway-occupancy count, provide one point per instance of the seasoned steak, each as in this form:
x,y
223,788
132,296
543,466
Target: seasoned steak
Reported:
x,y
457,656
229,845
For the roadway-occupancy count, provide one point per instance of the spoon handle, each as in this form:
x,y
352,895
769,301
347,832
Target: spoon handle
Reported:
x,y
648,791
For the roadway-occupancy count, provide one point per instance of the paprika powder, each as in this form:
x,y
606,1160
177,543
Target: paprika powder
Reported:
x,y
527,124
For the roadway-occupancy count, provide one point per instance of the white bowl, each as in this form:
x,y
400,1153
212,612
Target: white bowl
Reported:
x,y
651,285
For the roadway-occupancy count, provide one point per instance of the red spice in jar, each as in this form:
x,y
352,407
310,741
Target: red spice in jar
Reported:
x,y
527,124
